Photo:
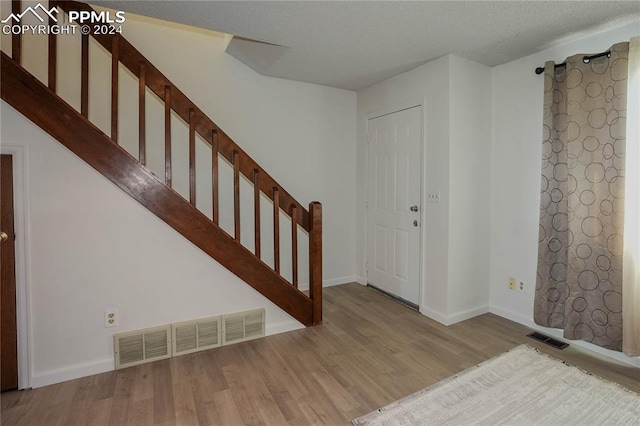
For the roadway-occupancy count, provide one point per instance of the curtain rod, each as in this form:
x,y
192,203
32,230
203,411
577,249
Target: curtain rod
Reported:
x,y
585,59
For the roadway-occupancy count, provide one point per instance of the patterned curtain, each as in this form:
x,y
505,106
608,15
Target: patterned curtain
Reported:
x,y
580,252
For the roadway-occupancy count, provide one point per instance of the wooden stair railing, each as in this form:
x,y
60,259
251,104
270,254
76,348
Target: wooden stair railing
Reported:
x,y
72,128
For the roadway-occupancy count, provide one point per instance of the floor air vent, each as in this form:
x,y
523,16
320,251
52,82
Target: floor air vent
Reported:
x,y
194,336
242,326
548,340
141,346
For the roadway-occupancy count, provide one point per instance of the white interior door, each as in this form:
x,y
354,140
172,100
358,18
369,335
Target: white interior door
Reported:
x,y
393,203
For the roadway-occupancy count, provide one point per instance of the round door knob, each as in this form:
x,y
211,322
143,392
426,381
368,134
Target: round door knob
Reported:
x,y
415,223
3,237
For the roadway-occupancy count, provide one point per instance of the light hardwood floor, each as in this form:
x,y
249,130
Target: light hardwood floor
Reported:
x,y
370,351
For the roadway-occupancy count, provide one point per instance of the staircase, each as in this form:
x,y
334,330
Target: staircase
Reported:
x,y
72,128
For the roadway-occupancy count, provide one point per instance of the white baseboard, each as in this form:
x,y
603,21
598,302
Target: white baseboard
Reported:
x,y
557,334
434,315
469,313
339,281
69,373
513,316
282,327
331,282
457,317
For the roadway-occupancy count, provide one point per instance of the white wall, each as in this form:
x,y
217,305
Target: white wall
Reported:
x,y
470,193
455,94
515,178
92,247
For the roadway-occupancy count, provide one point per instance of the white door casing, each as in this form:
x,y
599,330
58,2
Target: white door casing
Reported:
x,y
394,167
22,229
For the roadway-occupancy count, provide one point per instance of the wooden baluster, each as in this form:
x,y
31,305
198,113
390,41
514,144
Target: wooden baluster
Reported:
x,y
16,39
315,260
142,117
276,229
214,175
53,55
167,135
192,157
115,60
236,194
294,245
256,210
84,77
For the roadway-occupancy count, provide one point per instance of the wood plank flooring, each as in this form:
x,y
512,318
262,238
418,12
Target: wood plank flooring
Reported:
x,y
370,351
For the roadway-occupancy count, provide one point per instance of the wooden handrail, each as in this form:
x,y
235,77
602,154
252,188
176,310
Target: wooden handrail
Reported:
x,y
122,52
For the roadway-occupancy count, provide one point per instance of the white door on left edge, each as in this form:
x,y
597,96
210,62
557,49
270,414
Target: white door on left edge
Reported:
x,y
393,203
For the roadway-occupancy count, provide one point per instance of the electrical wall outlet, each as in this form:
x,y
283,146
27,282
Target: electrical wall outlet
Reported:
x,y
433,197
111,317
512,283
521,285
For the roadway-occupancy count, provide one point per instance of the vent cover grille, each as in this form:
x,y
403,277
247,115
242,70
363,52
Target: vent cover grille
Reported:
x,y
194,336
233,329
242,326
137,347
185,338
152,344
131,349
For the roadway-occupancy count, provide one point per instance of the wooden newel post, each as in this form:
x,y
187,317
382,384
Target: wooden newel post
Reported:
x,y
315,260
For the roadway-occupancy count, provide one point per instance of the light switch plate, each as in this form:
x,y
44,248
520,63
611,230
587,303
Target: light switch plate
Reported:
x,y
433,197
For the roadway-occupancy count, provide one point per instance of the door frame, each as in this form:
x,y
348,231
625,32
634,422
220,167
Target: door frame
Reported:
x,y
23,294
393,108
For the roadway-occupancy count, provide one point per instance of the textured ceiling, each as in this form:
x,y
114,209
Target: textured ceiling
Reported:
x,y
353,45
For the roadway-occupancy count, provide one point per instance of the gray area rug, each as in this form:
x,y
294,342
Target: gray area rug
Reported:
x,y
519,387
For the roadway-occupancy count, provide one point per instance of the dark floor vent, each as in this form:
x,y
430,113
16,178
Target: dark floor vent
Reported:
x,y
548,340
